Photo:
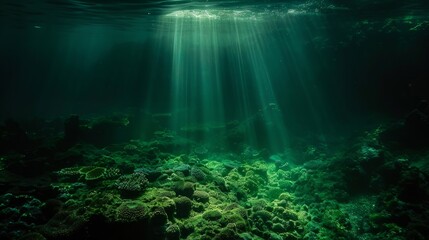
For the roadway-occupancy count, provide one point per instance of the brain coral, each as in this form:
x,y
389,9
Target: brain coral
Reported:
x,y
95,173
132,184
131,211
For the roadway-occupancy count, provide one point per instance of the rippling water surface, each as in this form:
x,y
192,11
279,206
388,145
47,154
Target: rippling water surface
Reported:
x,y
132,13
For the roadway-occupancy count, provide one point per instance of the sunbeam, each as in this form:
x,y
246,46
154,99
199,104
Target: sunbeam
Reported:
x,y
221,65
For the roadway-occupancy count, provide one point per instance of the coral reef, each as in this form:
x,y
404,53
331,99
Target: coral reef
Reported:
x,y
142,190
132,184
130,212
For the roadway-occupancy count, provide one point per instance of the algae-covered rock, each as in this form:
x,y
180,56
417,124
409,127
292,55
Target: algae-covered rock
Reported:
x,y
201,196
258,204
289,214
183,206
158,217
227,234
251,186
198,207
278,228
198,174
235,220
183,168
337,221
262,215
285,196
172,232
290,236
186,228
184,188
212,215
167,204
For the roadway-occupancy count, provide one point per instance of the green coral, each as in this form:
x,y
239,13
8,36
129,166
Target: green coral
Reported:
x,y
85,169
64,225
133,184
158,217
234,220
89,173
201,196
198,174
227,234
167,204
131,211
262,215
337,223
183,206
227,195
184,188
212,215
172,232
95,174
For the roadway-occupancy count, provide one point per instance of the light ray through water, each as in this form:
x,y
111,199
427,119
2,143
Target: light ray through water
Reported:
x,y
222,66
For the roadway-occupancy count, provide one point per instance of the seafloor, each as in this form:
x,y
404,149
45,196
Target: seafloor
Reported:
x,y
93,178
